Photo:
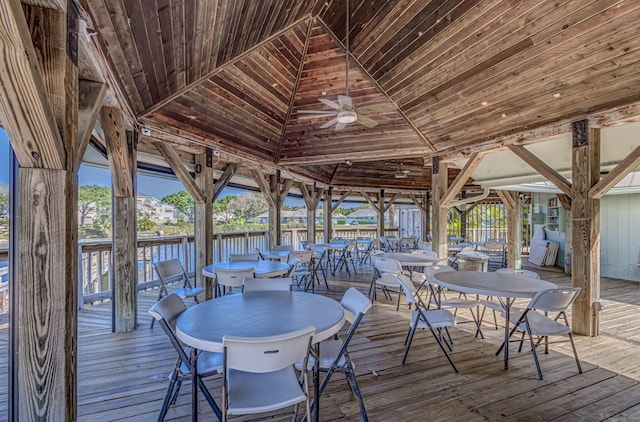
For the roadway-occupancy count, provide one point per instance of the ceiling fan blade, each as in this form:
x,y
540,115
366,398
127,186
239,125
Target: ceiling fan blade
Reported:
x,y
330,103
318,112
377,108
366,121
345,102
340,126
329,123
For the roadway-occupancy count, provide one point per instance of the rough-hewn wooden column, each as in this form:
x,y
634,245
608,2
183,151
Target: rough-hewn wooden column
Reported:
x,y
312,197
565,201
439,181
274,193
39,110
585,230
380,208
328,213
423,206
203,225
124,262
513,206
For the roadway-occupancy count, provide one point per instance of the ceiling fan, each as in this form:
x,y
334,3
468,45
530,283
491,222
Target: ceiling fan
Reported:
x,y
400,172
343,111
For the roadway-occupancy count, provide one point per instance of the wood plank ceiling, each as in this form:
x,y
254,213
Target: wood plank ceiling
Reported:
x,y
456,75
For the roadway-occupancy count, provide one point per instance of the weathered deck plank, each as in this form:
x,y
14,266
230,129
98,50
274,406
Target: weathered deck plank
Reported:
x,y
123,376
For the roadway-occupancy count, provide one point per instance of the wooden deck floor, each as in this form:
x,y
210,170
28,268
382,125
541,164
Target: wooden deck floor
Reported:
x,y
123,376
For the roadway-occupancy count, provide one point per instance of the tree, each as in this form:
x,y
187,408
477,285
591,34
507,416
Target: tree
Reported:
x,y
182,201
221,208
146,224
4,204
248,205
93,199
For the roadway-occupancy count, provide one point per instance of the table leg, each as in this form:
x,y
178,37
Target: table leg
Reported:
x,y
507,309
316,385
194,384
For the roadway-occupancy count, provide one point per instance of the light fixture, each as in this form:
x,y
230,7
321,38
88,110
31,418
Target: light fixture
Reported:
x,y
556,95
484,103
348,162
346,116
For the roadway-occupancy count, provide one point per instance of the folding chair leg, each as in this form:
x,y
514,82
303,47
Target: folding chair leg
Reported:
x,y
207,396
533,350
353,384
446,354
575,353
172,391
412,331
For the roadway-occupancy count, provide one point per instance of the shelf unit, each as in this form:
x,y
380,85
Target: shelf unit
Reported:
x,y
555,215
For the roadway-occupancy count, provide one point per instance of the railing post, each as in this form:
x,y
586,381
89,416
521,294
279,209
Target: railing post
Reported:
x,y
80,278
186,262
246,242
219,249
294,239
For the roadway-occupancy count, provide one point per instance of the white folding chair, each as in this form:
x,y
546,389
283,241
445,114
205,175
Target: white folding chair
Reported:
x,y
493,304
302,272
536,324
385,270
282,248
172,271
282,284
259,373
421,317
231,279
334,355
166,311
460,302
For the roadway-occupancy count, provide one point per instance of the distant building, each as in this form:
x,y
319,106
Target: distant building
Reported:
x,y
155,210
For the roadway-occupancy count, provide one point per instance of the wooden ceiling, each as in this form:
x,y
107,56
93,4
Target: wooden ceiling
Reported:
x,y
455,75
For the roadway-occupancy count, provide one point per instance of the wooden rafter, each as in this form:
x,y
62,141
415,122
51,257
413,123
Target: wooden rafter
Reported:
x,y
119,160
367,198
171,156
565,201
506,198
90,97
624,167
543,168
391,201
221,68
264,187
224,179
417,203
462,177
26,112
293,91
340,200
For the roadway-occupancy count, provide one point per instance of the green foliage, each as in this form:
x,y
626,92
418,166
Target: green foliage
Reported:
x,y
182,201
102,224
247,205
93,199
146,224
221,209
4,204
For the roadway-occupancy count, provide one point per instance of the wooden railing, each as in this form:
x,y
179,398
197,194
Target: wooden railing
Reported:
x,y
94,282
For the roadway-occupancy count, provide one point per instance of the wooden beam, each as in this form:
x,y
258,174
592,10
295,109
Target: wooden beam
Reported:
x,y
303,57
115,140
340,200
543,168
585,228
380,210
90,97
624,167
121,153
328,211
369,200
312,197
506,199
514,229
264,187
439,221
59,5
25,111
284,191
417,203
565,201
225,178
460,180
173,159
203,229
391,201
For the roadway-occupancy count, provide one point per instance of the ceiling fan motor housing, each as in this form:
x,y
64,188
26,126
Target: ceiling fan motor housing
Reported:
x,y
347,116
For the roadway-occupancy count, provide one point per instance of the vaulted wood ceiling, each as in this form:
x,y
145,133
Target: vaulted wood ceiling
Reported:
x,y
456,75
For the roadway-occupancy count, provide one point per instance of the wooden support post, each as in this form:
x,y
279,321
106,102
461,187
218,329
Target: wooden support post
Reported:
x,y
439,221
380,209
203,230
328,212
565,201
463,220
585,230
124,273
312,196
274,193
39,109
426,218
513,205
